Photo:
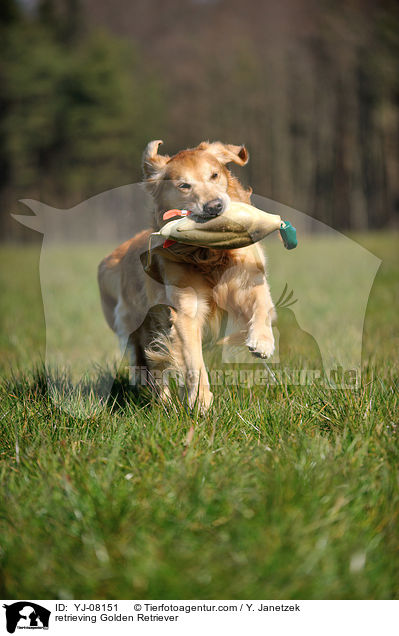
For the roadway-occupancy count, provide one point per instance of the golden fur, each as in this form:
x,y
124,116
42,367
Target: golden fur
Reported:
x,y
160,313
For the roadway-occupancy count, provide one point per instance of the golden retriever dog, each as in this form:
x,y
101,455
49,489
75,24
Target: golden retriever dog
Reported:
x,y
161,313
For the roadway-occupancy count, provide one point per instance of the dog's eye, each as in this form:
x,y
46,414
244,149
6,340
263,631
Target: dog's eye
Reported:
x,y
214,176
184,186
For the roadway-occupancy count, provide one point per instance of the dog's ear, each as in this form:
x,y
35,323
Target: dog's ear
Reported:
x,y
226,152
152,162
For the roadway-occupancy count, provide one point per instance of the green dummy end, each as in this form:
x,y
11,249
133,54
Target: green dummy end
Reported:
x,y
288,234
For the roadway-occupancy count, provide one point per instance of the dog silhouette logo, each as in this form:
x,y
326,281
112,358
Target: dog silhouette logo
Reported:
x,y
26,615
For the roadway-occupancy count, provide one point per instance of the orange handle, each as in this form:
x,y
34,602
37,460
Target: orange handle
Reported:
x,y
171,213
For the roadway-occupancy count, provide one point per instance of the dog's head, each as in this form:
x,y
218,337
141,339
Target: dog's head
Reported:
x,y
196,179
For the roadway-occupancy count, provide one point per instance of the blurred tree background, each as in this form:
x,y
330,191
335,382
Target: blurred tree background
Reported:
x,y
311,87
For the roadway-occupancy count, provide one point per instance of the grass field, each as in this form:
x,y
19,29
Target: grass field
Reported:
x,y
283,492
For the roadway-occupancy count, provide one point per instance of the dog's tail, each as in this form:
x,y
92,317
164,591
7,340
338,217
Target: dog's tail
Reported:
x,y
161,353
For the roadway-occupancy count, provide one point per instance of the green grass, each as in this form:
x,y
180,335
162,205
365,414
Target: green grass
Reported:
x,y
284,492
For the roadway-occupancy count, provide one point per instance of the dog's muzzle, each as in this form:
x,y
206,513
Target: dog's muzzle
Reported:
x,y
213,208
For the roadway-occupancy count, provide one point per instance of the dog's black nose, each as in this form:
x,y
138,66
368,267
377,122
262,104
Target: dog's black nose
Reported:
x,y
214,207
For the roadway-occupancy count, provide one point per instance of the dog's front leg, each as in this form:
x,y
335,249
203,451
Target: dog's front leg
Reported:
x,y
188,319
243,290
260,338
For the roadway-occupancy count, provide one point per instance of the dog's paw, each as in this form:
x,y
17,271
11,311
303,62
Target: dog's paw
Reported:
x,y
205,402
261,345
203,398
